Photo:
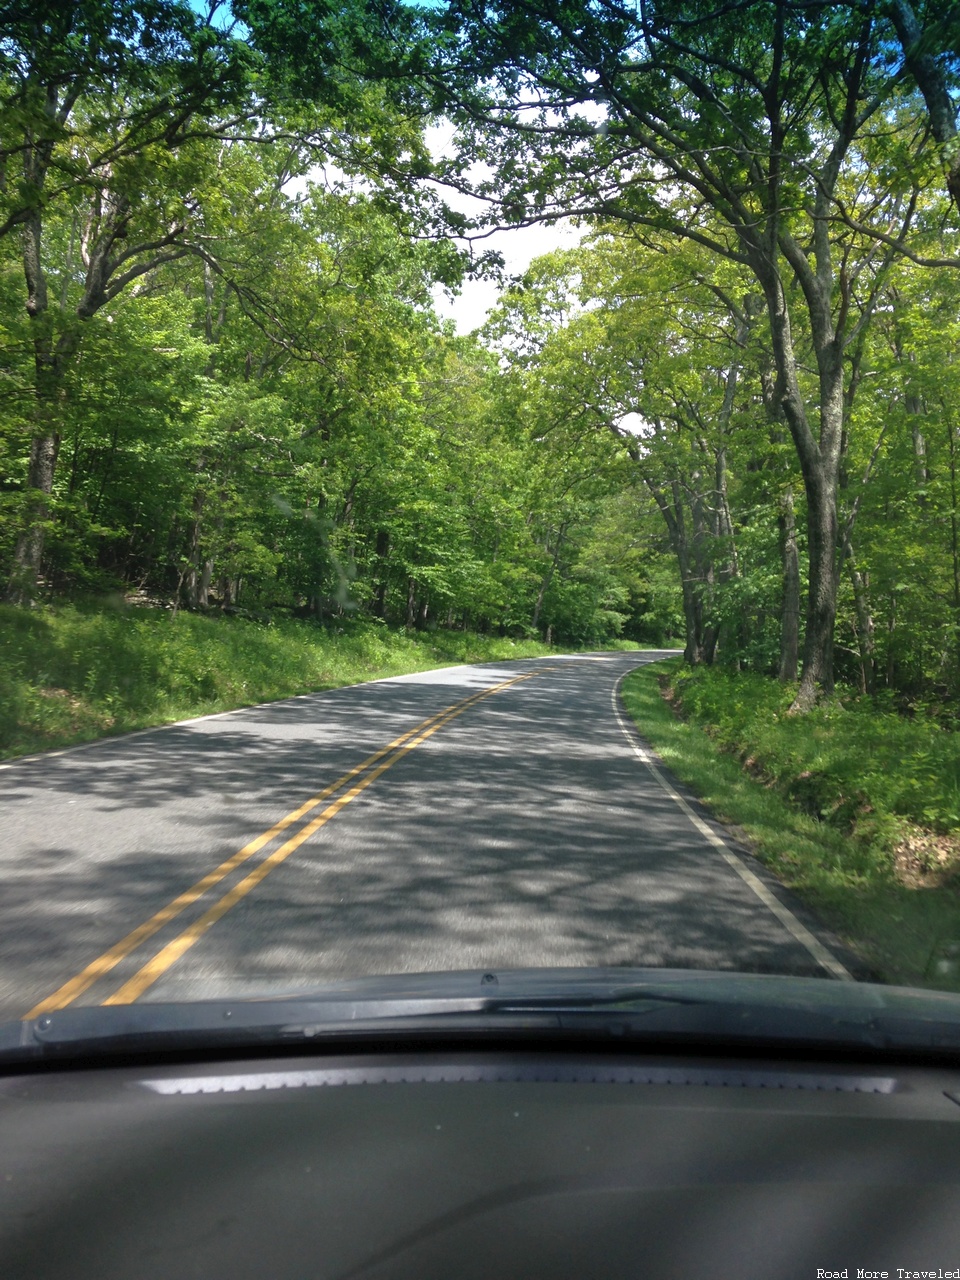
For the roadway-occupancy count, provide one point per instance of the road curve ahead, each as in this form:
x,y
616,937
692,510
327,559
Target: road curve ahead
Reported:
x,y
491,816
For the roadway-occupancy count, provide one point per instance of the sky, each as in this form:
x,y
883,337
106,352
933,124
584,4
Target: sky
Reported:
x,y
518,246
468,310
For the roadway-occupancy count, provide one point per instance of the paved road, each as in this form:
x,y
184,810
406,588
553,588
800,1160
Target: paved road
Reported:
x,y
514,823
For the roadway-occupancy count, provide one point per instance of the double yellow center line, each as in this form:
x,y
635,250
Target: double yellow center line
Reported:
x,y
361,776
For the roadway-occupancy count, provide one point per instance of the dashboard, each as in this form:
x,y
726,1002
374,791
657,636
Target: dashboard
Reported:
x,y
480,1165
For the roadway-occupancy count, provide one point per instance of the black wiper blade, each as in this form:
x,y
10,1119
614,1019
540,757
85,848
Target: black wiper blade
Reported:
x,y
640,1007
406,1007
206,1024
630,1002
87,1034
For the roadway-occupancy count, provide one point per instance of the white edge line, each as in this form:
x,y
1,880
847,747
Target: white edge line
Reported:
x,y
138,733
825,958
216,715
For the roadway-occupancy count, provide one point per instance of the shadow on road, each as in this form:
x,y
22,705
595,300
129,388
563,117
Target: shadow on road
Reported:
x,y
525,833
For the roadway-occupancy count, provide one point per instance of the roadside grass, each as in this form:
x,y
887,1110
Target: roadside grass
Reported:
x,y
852,807
71,674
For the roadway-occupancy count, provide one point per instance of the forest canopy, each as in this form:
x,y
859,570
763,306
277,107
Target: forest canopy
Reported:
x,y
730,414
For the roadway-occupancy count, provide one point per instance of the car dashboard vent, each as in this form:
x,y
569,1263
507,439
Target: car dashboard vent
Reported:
x,y
522,1072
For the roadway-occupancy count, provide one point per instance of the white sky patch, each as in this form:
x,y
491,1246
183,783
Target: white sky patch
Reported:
x,y
468,310
634,424
518,245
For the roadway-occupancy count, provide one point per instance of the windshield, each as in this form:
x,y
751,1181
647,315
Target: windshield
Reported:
x,y
479,497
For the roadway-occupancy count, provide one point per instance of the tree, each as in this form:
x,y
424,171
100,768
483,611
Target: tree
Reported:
x,y
746,128
644,342
926,34
104,109
115,123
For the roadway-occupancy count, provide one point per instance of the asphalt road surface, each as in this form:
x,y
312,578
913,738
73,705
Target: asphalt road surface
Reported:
x,y
478,817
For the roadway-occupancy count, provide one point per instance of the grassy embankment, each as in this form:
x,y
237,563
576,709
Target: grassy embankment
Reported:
x,y
70,674
855,807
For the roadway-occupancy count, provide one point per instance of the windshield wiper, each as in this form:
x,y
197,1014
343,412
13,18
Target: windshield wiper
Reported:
x,y
525,1008
282,1023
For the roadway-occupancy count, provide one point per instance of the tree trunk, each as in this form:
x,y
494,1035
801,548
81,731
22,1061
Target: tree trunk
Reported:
x,y
203,586
954,536
919,447
729,635
671,508
28,552
694,650
931,80
891,628
865,628
548,576
693,654
914,407
411,601
382,550
819,464
790,615
703,584
538,603
49,361
190,578
822,592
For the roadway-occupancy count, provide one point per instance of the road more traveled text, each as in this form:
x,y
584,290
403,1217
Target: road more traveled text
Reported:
x,y
895,1273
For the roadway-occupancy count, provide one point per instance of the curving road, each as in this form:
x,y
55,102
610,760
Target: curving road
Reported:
x,y
490,816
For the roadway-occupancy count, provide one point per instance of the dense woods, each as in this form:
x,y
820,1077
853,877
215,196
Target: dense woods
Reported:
x,y
223,381
730,415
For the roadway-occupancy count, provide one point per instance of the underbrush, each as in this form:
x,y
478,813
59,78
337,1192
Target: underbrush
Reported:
x,y
853,806
69,674
863,768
